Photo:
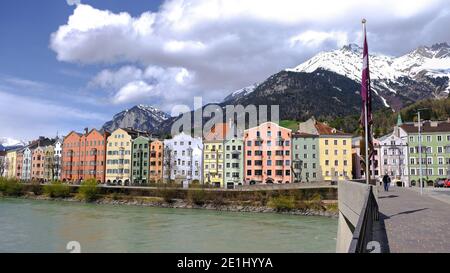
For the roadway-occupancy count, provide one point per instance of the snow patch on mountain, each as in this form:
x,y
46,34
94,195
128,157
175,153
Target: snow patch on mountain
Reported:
x,y
11,142
241,92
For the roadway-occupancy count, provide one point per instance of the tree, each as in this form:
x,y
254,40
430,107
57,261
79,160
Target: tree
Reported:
x,y
168,163
3,165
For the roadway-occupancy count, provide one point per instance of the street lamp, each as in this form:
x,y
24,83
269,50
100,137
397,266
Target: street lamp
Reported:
x,y
420,149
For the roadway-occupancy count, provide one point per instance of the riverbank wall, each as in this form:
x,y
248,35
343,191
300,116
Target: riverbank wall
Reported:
x,y
320,201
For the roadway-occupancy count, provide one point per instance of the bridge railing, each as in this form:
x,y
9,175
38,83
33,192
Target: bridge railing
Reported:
x,y
363,233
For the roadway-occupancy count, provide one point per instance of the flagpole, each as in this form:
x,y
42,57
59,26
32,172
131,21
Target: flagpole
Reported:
x,y
366,123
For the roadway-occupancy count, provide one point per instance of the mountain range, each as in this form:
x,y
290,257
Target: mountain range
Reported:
x,y
328,86
7,143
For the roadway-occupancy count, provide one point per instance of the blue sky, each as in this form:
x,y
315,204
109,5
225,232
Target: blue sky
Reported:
x,y
30,71
65,67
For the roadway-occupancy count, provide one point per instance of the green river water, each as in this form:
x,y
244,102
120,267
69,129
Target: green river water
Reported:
x,y
47,226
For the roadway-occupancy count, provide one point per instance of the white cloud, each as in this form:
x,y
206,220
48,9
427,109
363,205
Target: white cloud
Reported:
x,y
130,84
228,44
134,91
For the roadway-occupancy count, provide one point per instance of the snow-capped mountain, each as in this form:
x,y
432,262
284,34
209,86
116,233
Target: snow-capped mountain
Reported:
x,y
422,73
141,117
241,92
9,142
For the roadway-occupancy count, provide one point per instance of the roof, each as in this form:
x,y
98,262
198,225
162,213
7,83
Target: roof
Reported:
x,y
427,127
312,126
301,134
218,132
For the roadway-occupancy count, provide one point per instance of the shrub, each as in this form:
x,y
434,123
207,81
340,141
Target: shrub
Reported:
x,y
10,187
36,187
282,203
197,197
115,196
316,197
88,190
57,190
168,194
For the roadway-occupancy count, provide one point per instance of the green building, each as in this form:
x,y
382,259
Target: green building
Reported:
x,y
234,162
140,160
435,150
305,158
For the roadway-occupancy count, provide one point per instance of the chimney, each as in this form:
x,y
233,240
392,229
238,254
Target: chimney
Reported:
x,y
86,130
433,123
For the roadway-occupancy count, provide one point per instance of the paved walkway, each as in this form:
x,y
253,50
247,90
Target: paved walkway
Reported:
x,y
414,223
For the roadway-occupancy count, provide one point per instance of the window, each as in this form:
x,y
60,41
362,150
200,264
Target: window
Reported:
x,y
327,162
335,142
326,141
411,139
336,163
439,138
428,138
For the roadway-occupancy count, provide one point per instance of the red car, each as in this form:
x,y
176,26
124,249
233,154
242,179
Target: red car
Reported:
x,y
447,183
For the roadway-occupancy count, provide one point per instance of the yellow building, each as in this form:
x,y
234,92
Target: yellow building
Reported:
x,y
335,150
11,158
213,162
213,155
118,157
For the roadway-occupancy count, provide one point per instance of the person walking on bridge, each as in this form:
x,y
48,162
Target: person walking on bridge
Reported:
x,y
386,182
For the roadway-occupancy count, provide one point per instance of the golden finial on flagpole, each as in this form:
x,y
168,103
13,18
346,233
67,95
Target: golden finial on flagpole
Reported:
x,y
363,21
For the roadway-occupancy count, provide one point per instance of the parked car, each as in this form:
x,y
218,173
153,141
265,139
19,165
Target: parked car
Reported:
x,y
447,183
439,183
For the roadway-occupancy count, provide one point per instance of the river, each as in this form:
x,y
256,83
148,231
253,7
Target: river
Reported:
x,y
47,226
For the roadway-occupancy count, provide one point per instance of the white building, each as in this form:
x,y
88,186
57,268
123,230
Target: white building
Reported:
x,y
58,153
26,165
394,155
183,158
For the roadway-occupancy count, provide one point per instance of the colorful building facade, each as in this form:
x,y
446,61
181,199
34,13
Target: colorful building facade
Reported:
x,y
183,159
118,157
394,155
84,156
140,160
335,150
156,161
267,154
234,162
213,155
11,166
19,163
37,164
305,158
26,164
435,145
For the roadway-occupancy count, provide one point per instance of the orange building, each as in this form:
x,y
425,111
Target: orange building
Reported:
x,y
37,164
156,161
84,156
19,164
267,150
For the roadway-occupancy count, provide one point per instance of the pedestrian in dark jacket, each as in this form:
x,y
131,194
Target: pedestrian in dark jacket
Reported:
x,y
386,182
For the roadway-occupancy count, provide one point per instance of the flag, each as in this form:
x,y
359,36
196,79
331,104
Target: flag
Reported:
x,y
366,109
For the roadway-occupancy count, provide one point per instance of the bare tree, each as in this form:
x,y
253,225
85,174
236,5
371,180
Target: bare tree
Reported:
x,y
3,165
168,163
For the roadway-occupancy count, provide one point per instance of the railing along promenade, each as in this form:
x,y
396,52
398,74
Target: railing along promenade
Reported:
x,y
358,216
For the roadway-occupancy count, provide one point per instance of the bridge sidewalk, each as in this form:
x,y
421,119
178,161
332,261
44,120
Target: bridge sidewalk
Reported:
x,y
414,223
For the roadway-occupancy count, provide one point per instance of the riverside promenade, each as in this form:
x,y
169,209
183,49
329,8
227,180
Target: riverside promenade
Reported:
x,y
415,223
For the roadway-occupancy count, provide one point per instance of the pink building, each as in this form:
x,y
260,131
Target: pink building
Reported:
x,y
267,150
